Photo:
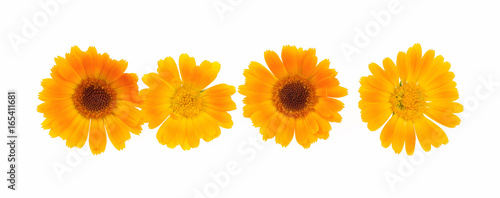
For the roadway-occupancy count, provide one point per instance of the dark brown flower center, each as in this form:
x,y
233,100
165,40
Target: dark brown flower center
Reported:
x,y
294,96
94,98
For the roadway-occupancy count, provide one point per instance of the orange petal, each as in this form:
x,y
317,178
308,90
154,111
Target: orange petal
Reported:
x,y
116,70
67,72
97,136
79,135
258,71
309,62
324,126
301,133
290,57
118,132
271,125
285,137
129,115
335,92
274,63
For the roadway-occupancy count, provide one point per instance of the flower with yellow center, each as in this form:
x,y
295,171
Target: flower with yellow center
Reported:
x,y
188,110
408,93
88,95
296,97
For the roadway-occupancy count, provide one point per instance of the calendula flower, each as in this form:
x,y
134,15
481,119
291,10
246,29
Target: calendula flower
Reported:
x,y
188,110
409,93
88,95
295,97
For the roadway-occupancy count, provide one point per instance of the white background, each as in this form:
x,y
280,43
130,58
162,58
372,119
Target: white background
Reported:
x,y
351,163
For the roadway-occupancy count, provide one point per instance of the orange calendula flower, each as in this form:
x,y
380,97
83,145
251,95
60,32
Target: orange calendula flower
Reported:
x,y
408,93
296,97
88,95
188,110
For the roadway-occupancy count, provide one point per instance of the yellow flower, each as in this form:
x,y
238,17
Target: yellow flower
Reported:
x,y
88,95
405,93
297,97
190,111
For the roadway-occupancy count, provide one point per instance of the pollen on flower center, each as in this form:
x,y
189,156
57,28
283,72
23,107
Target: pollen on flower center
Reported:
x,y
94,98
186,102
408,101
294,96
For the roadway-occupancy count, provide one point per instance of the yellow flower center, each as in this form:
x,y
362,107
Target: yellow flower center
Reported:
x,y
94,98
408,101
186,102
294,96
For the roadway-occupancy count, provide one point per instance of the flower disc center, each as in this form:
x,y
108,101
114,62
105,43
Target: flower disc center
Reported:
x,y
186,102
408,101
294,96
94,98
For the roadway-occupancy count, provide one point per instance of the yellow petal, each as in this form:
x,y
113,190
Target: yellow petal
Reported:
x,y
186,68
399,136
447,119
377,71
205,74
386,136
190,134
424,65
410,138
223,118
450,107
402,66
413,57
212,130
167,69
392,71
